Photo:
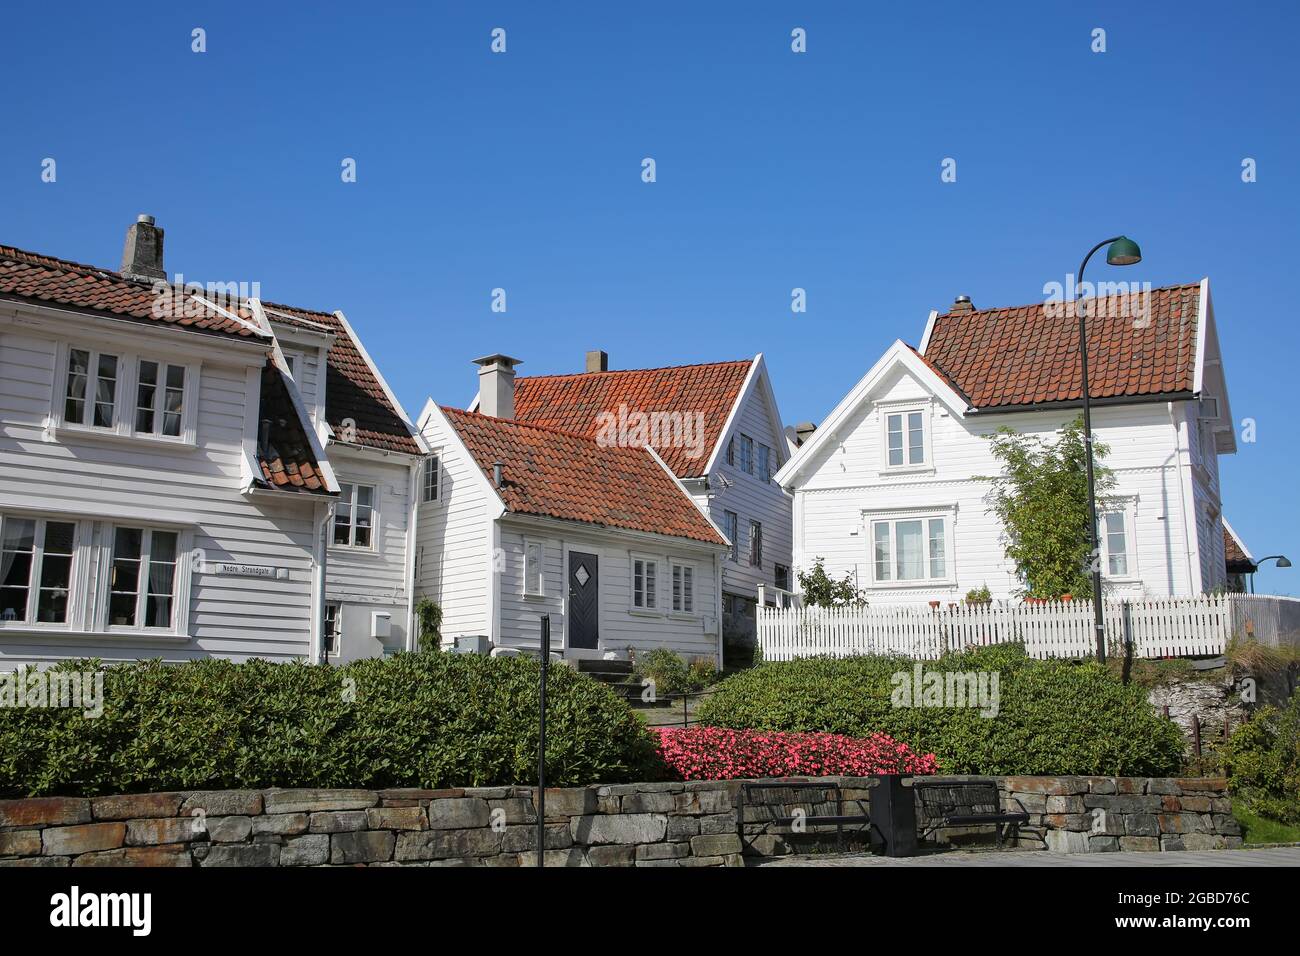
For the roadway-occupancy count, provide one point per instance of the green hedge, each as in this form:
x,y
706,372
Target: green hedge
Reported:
x,y
1262,761
1054,717
412,720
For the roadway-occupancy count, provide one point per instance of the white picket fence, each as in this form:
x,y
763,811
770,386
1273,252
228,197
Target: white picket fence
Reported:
x,y
1160,627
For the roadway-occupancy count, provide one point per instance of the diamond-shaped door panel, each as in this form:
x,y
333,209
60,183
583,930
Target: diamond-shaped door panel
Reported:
x,y
582,575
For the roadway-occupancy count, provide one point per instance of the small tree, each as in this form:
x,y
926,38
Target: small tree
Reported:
x,y
1041,498
820,590
428,616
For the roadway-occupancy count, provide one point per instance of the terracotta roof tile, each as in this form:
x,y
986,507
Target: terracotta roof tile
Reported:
x,y
43,279
1234,553
1023,356
559,474
284,453
574,403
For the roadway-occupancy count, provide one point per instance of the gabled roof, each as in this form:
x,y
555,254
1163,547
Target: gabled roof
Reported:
x,y
353,388
31,277
573,403
285,456
557,474
1025,356
1236,555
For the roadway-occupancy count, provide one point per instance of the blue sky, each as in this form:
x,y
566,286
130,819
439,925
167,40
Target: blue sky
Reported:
x,y
774,170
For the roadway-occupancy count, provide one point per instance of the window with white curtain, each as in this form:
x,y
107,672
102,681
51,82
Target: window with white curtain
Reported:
x,y
683,588
36,564
354,516
90,390
142,578
1113,539
907,550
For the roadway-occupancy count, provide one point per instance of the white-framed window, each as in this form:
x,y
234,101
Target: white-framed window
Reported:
x,y
117,393
159,398
911,549
683,588
90,388
37,560
354,516
1115,539
431,478
746,454
731,528
294,361
765,463
645,583
906,443
781,576
756,544
534,568
142,578
332,631
731,451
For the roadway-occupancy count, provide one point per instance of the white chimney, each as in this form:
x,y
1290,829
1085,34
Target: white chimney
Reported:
x,y
496,385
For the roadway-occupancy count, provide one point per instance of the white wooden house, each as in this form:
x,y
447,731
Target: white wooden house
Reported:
x,y
520,520
189,473
891,488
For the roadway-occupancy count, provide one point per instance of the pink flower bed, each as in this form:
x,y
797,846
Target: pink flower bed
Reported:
x,y
714,753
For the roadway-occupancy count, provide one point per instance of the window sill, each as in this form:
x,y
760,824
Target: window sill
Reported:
x,y
911,585
340,550
63,432
645,612
683,615
908,470
14,629
527,596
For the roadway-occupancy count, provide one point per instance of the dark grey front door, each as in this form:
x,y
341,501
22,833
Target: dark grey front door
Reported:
x,y
584,600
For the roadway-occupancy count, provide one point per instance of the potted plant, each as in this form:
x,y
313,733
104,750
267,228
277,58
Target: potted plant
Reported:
x,y
979,595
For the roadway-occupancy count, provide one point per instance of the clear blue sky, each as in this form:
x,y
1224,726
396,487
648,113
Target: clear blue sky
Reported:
x,y
775,170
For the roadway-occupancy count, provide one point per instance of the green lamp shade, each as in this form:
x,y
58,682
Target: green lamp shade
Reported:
x,y
1283,563
1123,252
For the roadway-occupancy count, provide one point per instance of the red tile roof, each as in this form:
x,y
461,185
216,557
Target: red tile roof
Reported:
x,y
352,392
1234,553
284,453
574,403
1022,356
32,277
559,474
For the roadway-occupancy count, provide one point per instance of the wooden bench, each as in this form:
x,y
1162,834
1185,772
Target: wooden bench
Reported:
x,y
799,805
963,803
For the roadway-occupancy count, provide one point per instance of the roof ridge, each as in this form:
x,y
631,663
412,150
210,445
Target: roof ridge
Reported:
x,y
658,368
1034,305
549,429
69,263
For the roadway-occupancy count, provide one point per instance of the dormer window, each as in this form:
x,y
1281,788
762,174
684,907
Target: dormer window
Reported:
x,y
906,443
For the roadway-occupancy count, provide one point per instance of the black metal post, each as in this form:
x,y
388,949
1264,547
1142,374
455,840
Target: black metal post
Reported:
x,y
541,738
1099,623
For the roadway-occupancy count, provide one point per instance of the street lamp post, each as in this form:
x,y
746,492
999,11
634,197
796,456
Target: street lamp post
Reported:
x,y
1122,252
1282,562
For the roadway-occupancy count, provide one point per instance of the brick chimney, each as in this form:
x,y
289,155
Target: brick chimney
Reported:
x,y
962,304
597,361
142,256
496,385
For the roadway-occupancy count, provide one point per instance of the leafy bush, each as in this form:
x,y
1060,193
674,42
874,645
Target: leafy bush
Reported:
x,y
821,590
711,753
674,675
1053,717
1262,759
426,720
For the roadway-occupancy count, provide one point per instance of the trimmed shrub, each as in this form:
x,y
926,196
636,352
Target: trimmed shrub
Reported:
x,y
1262,760
711,753
1052,717
421,720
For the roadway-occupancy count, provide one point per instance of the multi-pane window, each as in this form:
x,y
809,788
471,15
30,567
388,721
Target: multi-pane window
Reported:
x,y
35,569
644,572
90,396
332,632
354,516
431,475
746,454
905,438
781,575
910,549
160,398
756,544
142,578
731,528
1114,542
534,582
684,588
764,462
731,451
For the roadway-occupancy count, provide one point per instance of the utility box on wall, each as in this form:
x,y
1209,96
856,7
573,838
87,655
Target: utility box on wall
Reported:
x,y
381,625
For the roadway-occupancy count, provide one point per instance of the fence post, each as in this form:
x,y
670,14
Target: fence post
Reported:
x,y
1127,611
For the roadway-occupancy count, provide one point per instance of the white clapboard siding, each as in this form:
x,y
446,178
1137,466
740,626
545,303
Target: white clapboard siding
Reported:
x,y
1162,627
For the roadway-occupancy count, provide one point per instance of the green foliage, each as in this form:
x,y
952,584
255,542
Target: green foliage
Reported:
x,y
820,590
421,720
428,616
1262,760
1054,717
1041,498
1258,829
979,595
674,675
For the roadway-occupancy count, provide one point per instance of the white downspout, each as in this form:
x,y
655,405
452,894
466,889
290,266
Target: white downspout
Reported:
x,y
320,553
412,519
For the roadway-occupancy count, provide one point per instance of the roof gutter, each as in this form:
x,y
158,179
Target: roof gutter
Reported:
x,y
1154,399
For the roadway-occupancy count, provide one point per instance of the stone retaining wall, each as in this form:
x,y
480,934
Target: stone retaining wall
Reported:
x,y
651,824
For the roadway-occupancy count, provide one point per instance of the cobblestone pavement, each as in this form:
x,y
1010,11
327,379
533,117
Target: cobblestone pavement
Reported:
x,y
1271,856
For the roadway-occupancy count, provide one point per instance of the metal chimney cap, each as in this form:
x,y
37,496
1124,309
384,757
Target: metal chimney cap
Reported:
x,y
144,218
961,299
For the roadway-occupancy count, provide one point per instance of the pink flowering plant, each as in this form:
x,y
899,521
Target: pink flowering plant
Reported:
x,y
717,753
